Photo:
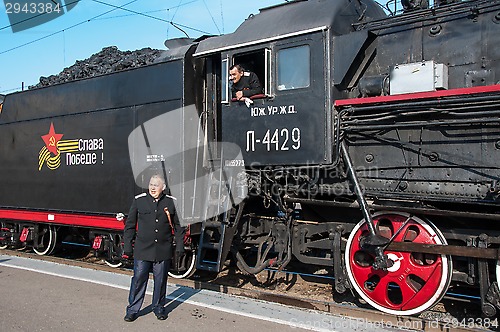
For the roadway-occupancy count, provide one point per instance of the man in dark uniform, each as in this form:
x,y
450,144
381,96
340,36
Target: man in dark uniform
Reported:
x,y
150,221
244,83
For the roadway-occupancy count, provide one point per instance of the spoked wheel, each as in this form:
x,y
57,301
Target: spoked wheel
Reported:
x,y
415,282
113,259
188,266
47,236
3,230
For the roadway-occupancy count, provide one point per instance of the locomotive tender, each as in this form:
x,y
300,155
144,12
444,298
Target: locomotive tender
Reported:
x,y
373,152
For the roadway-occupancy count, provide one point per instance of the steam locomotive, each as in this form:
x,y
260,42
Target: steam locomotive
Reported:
x,y
372,154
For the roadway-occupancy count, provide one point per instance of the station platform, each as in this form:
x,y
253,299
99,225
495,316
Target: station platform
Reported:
x,y
47,296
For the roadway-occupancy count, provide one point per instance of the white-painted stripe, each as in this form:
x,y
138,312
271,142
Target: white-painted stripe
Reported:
x,y
265,40
172,298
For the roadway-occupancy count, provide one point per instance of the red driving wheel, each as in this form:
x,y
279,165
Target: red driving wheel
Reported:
x,y
415,281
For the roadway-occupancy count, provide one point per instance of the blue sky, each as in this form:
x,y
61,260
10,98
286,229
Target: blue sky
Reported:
x,y
23,59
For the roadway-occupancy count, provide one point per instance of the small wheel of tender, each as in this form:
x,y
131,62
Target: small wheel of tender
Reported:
x,y
47,236
3,240
188,266
114,256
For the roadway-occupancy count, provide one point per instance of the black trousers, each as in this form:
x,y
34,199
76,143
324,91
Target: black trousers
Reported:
x,y
140,281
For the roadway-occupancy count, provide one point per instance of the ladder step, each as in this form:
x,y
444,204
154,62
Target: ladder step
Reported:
x,y
212,230
212,224
211,245
208,266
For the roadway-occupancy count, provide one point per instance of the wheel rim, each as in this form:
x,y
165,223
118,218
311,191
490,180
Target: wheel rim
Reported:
x,y
498,274
46,239
113,263
415,282
190,266
116,242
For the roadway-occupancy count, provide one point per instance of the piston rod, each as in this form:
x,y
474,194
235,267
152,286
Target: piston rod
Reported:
x,y
374,243
357,189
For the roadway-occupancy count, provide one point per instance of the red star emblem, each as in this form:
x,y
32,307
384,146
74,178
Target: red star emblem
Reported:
x,y
51,139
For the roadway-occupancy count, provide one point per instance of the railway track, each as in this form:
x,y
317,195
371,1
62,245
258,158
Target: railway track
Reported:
x,y
308,291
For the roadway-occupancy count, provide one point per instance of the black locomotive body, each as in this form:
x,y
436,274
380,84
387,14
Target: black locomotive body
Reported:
x,y
372,153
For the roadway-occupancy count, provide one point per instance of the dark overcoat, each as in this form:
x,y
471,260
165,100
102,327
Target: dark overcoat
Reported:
x,y
147,229
249,84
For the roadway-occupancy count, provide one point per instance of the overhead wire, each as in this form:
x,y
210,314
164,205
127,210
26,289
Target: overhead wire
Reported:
x,y
35,16
213,19
149,16
150,11
176,25
60,31
131,14
100,17
105,18
68,28
115,7
173,16
222,17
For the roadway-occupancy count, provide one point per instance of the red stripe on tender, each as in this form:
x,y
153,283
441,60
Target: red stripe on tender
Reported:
x,y
62,219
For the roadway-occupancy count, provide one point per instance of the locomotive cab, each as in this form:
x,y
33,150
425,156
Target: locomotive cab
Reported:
x,y
287,125
290,124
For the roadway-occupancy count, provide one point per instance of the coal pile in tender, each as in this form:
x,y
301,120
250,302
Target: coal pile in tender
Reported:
x,y
108,60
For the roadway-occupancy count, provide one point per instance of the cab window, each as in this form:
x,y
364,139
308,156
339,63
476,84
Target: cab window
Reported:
x,y
293,68
252,61
258,61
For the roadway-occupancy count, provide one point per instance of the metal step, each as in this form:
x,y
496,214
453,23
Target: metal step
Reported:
x,y
210,250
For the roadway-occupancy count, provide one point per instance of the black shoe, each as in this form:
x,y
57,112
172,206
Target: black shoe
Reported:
x,y
162,316
130,317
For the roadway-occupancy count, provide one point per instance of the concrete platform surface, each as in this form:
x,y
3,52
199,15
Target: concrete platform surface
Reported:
x,y
46,296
